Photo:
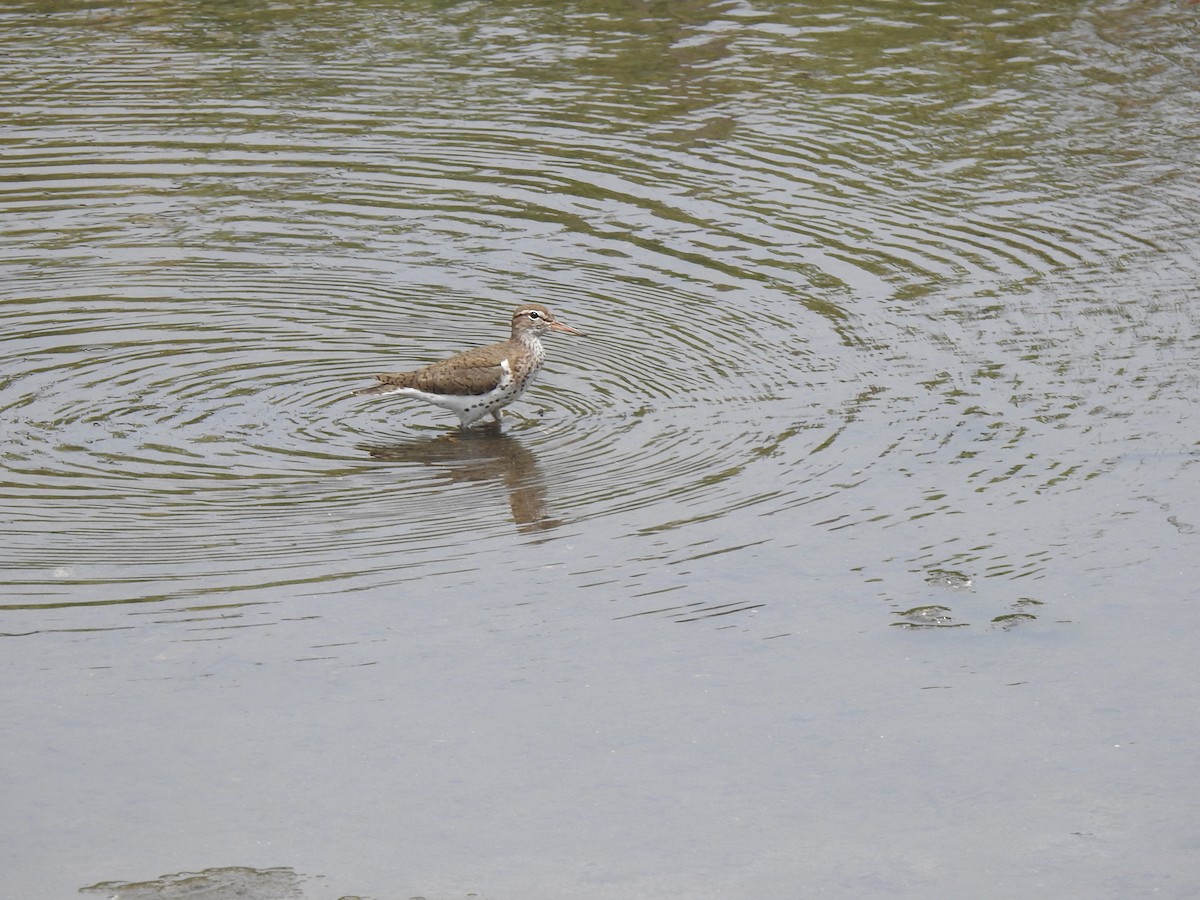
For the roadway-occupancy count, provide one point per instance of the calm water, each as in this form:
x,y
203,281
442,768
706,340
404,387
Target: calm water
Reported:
x,y
854,552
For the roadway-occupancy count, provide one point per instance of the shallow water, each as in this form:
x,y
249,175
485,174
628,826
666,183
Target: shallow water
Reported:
x,y
852,551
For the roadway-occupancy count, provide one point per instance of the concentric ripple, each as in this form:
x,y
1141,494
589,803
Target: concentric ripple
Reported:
x,y
802,270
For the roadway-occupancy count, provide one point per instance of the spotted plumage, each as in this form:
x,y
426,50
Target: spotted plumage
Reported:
x,y
480,382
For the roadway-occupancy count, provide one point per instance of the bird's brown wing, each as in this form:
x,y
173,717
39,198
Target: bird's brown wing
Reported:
x,y
473,372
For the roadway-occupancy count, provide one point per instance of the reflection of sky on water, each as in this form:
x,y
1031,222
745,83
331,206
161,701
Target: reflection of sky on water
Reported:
x,y
863,513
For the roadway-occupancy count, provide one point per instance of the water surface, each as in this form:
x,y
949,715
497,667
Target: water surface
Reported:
x,y
854,549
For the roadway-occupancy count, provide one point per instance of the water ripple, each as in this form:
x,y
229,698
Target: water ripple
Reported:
x,y
800,269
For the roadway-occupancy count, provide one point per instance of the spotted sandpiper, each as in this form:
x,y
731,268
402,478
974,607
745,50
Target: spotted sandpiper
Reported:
x,y
481,381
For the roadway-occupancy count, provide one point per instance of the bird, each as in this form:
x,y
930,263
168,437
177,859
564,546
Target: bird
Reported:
x,y
479,382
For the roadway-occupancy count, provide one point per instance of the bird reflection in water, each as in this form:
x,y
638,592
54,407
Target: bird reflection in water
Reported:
x,y
485,454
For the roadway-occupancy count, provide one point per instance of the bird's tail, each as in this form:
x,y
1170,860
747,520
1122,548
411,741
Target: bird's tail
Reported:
x,y
385,388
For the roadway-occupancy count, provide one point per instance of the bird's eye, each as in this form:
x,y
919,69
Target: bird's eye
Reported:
x,y
534,314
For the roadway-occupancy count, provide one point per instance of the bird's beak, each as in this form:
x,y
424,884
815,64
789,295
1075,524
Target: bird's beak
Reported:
x,y
565,328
